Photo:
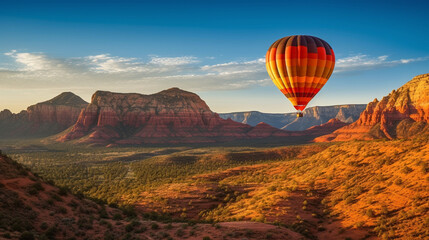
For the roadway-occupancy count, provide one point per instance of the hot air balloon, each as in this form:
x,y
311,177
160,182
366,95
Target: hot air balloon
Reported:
x,y
299,66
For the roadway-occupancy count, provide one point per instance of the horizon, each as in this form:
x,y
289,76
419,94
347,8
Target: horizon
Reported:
x,y
89,101
52,47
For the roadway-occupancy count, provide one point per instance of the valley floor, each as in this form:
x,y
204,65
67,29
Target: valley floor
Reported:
x,y
351,190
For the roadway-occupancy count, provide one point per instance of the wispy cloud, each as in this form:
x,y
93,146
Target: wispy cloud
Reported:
x,y
173,61
364,62
34,61
104,71
248,66
104,63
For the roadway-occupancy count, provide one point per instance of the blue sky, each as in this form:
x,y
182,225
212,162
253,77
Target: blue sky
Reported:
x,y
213,48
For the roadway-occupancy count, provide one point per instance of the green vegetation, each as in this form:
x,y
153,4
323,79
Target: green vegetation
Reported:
x,y
107,174
376,185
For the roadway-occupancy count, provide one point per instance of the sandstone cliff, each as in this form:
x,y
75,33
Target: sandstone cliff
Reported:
x,y
313,116
42,119
401,114
170,116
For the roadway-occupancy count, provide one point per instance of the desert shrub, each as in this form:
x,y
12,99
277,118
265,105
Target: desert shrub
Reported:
x,y
27,236
370,213
384,161
359,224
206,238
358,191
248,233
113,205
63,191
6,235
109,236
321,229
180,232
424,167
56,197
129,211
163,235
62,210
384,210
269,236
141,229
72,204
32,191
354,163
117,216
132,225
154,226
377,189
103,222
84,223
103,213
50,202
169,226
84,210
18,225
51,232
38,186
44,226
406,170
398,181
129,227
350,199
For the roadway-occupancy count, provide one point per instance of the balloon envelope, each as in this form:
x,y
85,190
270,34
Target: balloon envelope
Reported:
x,y
299,66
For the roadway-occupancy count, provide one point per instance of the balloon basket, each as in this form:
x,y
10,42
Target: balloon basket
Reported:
x,y
299,114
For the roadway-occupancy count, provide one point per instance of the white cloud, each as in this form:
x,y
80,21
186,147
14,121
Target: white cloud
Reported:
x,y
173,61
257,65
104,71
129,74
34,61
365,62
104,63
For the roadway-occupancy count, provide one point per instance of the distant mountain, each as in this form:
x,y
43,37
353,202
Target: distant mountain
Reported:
x,y
252,118
402,114
288,121
42,119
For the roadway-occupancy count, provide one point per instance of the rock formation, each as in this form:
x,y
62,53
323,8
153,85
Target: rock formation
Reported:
x,y
42,119
401,114
326,128
170,116
313,116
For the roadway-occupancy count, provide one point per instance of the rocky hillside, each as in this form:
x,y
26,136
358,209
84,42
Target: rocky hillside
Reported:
x,y
170,116
42,119
31,208
401,114
312,117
